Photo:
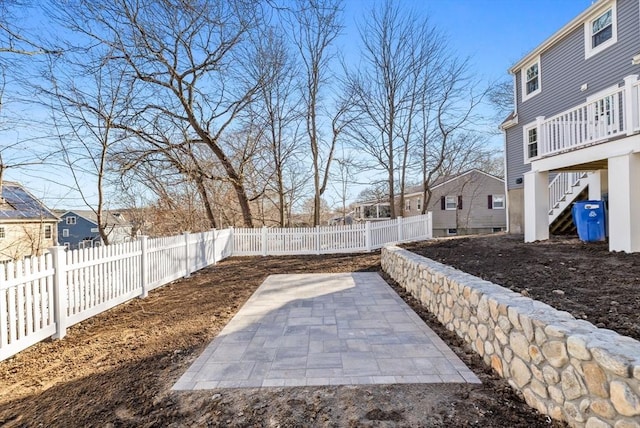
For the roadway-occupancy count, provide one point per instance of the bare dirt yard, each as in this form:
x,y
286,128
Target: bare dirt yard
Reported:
x,y
117,368
584,279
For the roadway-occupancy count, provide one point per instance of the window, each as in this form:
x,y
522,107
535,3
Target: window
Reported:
x,y
531,80
496,202
65,233
2,233
67,245
450,203
452,232
71,220
497,229
47,231
530,143
601,31
419,204
408,205
94,230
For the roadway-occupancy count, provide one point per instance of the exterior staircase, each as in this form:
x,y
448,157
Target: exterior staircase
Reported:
x,y
564,189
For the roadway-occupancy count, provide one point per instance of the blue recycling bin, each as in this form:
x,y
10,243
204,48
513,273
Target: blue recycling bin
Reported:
x,y
589,218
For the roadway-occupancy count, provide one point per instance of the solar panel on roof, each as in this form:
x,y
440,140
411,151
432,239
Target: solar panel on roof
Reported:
x,y
21,205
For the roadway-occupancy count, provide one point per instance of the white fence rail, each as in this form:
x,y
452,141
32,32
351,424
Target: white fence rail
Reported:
x,y
329,240
42,296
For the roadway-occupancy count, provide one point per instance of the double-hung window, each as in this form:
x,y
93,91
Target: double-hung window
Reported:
x,y
47,231
530,143
531,80
71,220
600,31
496,202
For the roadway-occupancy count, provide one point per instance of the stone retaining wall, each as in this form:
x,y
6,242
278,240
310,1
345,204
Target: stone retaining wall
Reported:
x,y
566,368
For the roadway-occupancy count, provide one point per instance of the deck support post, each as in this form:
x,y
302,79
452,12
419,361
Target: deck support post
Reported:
x,y
624,203
536,206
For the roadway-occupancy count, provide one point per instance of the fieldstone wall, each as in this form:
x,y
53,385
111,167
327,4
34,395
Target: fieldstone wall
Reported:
x,y
566,368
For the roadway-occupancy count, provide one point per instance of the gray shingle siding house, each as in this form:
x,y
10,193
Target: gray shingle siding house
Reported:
x,y
469,203
574,131
79,229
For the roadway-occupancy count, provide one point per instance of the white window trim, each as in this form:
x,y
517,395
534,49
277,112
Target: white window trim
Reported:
x,y
525,141
588,50
71,220
65,233
493,202
449,233
446,203
523,80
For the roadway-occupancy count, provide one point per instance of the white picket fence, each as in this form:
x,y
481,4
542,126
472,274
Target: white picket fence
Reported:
x,y
42,296
330,239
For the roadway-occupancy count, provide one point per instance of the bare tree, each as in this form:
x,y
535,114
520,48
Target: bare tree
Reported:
x,y
346,166
185,59
276,105
317,25
401,56
454,114
13,39
501,98
87,101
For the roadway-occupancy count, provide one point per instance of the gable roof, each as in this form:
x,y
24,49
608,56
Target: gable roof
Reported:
x,y
18,204
441,181
448,179
572,25
112,217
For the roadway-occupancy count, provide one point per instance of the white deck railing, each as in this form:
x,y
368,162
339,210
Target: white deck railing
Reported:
x,y
42,296
610,115
561,185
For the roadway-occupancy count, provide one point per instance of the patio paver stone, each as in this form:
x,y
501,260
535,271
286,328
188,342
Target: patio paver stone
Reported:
x,y
324,329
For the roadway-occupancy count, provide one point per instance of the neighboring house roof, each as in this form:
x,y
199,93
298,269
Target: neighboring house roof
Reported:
x,y
448,179
112,217
413,190
572,25
18,204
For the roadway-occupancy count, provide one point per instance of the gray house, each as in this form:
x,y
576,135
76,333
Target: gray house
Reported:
x,y
79,229
575,130
469,203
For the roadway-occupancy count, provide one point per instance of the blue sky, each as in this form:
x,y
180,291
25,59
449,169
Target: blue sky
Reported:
x,y
493,33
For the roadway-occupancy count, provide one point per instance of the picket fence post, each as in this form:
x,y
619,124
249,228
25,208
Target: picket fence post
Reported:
x,y
144,267
318,239
59,261
187,256
399,221
427,227
232,238
213,244
264,240
367,236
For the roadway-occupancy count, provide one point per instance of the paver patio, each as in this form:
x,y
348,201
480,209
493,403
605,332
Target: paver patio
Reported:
x,y
324,329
